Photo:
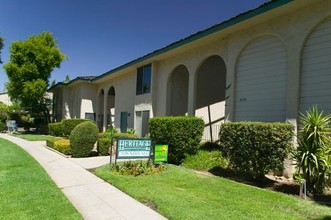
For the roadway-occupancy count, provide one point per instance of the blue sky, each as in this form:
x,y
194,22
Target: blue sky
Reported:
x,y
100,35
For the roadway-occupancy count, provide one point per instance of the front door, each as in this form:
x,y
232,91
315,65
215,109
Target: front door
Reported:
x,y
124,122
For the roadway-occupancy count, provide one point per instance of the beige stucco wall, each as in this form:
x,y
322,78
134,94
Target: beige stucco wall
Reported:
x,y
291,24
290,27
87,98
125,95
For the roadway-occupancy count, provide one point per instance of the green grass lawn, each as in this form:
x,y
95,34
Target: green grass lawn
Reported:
x,y
34,137
181,193
26,191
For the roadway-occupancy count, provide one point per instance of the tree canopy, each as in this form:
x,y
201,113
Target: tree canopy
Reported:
x,y
67,79
3,111
29,69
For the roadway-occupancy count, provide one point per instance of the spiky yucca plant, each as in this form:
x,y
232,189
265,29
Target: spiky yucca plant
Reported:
x,y
314,149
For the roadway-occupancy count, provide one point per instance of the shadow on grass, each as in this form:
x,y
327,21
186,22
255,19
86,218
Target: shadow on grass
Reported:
x,y
324,218
287,187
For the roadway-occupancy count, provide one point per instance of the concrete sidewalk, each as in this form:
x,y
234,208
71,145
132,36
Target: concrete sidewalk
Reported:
x,y
93,197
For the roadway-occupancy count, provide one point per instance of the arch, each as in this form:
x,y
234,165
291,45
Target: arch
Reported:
x,y
210,94
177,95
315,68
111,107
75,103
261,80
100,109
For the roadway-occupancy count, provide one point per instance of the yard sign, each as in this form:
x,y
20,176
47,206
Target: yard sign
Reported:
x,y
133,148
161,153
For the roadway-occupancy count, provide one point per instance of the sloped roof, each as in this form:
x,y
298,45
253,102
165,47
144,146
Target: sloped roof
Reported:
x,y
218,27
79,78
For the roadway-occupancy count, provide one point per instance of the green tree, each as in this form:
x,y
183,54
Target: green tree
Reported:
x,y
29,69
3,112
67,79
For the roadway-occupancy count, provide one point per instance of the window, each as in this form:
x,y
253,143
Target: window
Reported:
x,y
90,116
144,75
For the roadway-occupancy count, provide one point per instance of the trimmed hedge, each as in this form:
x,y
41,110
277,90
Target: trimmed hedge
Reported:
x,y
125,135
103,135
256,148
105,142
82,139
55,129
64,128
103,146
69,124
182,134
50,143
63,146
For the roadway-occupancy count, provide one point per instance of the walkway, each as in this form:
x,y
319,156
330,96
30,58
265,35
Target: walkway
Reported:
x,y
92,197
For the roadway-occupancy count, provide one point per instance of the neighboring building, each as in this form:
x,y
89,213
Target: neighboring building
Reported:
x,y
267,64
4,98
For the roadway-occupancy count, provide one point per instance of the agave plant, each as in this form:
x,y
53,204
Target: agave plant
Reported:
x,y
314,149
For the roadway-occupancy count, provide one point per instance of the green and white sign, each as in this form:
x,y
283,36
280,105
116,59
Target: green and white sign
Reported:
x,y
161,153
133,148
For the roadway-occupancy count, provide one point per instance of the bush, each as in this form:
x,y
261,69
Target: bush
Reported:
x,y
103,146
103,135
82,139
44,129
205,160
50,143
69,124
62,146
110,134
27,121
256,148
3,127
134,168
55,129
182,134
209,146
38,122
125,135
107,139
314,150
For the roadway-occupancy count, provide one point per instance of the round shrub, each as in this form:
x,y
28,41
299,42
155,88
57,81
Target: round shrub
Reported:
x,y
69,124
82,139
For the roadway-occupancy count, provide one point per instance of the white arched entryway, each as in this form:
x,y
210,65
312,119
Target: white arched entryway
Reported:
x,y
210,95
110,111
100,117
177,95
